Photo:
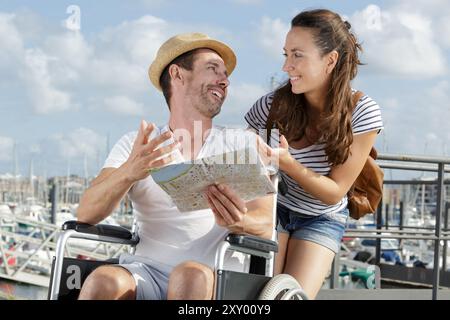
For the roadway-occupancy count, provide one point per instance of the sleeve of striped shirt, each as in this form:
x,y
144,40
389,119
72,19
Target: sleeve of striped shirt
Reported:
x,y
366,116
256,117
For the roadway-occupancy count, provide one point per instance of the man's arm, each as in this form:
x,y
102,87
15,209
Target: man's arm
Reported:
x,y
253,217
106,191
103,196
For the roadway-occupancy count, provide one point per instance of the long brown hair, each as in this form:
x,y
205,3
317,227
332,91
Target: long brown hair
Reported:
x,y
330,33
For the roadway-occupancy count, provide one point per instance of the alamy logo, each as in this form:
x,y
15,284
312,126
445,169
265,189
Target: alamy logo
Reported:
x,y
73,22
244,138
74,280
373,17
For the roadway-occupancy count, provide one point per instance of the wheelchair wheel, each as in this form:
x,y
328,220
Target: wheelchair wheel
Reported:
x,y
282,287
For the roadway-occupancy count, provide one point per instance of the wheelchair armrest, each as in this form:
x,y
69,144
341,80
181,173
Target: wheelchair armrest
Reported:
x,y
252,242
99,229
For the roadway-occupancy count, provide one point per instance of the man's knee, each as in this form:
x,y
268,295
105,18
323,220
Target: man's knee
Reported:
x,y
108,283
191,280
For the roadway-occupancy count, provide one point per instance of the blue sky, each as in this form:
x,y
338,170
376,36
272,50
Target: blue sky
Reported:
x,y
66,95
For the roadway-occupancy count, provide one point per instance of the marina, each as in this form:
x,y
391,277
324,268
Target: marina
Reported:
x,y
405,239
77,80
31,215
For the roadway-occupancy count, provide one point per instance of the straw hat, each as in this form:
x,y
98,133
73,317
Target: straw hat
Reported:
x,y
182,43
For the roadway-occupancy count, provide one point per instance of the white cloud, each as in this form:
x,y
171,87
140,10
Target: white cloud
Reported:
x,y
271,35
406,39
399,42
124,106
79,143
6,148
418,123
136,40
70,50
59,69
240,99
443,25
45,97
11,45
440,93
50,69
437,10
11,39
246,93
112,75
123,54
31,67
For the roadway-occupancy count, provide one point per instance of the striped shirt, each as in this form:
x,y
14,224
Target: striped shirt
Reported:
x,y
366,117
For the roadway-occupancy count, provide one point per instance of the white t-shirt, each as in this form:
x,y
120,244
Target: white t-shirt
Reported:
x,y
166,234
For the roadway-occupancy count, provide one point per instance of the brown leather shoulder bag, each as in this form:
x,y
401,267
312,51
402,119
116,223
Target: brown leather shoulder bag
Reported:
x,y
367,190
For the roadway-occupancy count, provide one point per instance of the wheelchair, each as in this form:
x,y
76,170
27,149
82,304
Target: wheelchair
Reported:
x,y
68,274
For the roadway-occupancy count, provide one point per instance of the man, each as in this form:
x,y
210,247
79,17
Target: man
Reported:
x,y
175,255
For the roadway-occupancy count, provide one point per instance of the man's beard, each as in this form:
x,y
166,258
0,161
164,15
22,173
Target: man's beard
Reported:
x,y
206,106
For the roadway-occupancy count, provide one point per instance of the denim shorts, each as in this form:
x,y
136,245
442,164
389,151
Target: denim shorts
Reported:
x,y
326,229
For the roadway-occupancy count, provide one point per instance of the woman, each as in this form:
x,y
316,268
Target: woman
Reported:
x,y
323,144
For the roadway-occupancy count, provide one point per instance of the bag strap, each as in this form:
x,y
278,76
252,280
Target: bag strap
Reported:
x,y
269,124
356,96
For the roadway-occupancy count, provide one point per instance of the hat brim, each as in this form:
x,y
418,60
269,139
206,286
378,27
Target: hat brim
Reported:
x,y
160,63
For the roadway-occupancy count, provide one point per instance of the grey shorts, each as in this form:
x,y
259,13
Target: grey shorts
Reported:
x,y
151,277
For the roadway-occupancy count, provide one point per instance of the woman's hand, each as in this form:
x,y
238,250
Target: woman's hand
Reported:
x,y
278,157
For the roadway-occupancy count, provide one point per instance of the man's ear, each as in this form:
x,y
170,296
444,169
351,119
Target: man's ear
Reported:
x,y
176,73
332,59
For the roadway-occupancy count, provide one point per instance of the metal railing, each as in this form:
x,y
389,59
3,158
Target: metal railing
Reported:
x,y
440,165
43,236
27,247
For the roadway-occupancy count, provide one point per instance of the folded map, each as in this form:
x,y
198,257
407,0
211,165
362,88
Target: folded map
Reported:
x,y
242,170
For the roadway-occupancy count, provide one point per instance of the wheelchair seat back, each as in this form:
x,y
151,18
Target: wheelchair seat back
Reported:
x,y
74,273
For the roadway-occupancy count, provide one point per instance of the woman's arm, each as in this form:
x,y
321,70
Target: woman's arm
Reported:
x,y
328,189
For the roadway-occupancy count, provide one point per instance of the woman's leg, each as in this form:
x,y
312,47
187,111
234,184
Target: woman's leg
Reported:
x,y
280,256
309,263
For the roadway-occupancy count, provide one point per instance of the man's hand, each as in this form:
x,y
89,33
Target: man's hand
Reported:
x,y
146,155
228,208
